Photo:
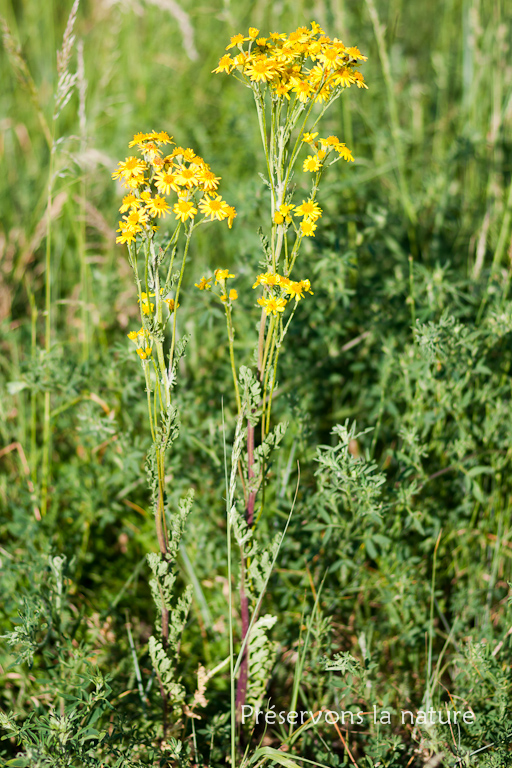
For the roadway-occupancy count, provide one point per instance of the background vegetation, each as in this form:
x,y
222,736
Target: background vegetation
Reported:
x,y
400,544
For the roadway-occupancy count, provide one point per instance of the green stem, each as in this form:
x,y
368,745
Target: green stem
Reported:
x,y
231,338
47,340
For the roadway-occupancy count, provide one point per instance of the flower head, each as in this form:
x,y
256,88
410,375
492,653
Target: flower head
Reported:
x,y
184,210
309,210
221,275
272,306
204,283
311,163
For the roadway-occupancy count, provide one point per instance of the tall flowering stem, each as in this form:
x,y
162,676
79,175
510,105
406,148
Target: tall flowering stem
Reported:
x,y
294,79
179,184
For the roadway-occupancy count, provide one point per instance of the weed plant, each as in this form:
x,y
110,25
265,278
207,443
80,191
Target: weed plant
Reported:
x,y
292,497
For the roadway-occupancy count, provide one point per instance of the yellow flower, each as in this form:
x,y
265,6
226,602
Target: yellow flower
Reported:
x,y
144,353
129,201
132,166
133,335
345,153
138,139
344,77
128,232
231,215
272,306
208,180
261,70
309,137
222,274
329,57
233,295
296,289
268,278
184,210
225,64
204,283
165,181
278,218
303,89
311,163
171,304
158,206
236,40
146,306
186,177
283,89
309,210
214,207
355,53
253,32
308,228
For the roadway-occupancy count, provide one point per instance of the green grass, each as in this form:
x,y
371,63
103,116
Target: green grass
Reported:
x,y
408,334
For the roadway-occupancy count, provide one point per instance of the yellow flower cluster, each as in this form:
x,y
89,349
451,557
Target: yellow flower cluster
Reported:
x,y
279,289
323,148
151,179
306,64
308,209
220,276
142,341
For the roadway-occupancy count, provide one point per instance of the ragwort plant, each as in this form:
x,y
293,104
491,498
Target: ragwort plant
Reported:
x,y
294,80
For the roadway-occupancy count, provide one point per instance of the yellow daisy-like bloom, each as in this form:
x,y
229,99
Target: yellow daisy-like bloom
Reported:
x,y
268,278
309,137
283,89
345,153
222,274
204,283
144,353
171,304
138,139
303,89
329,57
132,166
355,53
296,290
134,181
236,40
360,80
231,215
261,70
253,32
330,141
208,180
309,210
163,137
184,210
225,64
158,206
272,306
344,77
186,177
128,232
214,207
129,201
190,156
307,228
165,181
311,163
133,335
